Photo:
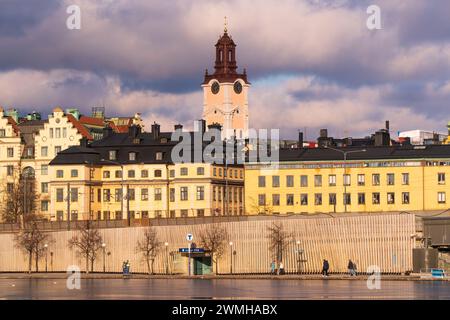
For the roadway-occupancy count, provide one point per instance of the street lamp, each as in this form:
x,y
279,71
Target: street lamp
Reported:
x,y
46,254
345,169
231,257
104,256
166,244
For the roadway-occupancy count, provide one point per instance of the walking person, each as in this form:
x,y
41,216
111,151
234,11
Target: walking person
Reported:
x,y
325,268
272,267
354,269
350,267
281,267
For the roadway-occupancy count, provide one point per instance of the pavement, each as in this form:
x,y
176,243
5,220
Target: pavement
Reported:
x,y
58,275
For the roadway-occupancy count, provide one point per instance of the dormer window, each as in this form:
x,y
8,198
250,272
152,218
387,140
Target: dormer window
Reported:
x,y
159,156
163,140
112,155
132,156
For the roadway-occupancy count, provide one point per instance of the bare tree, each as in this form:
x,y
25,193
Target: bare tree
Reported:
x,y
19,195
31,240
260,209
278,240
87,243
149,247
213,239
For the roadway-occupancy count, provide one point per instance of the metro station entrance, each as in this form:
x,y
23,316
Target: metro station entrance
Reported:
x,y
202,265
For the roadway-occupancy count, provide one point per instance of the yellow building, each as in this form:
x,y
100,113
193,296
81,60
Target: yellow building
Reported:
x,y
377,179
132,175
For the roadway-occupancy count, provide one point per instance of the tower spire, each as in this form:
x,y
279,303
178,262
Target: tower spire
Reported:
x,y
225,25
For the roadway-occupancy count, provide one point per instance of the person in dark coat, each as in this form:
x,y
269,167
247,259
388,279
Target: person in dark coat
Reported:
x,y
325,268
350,267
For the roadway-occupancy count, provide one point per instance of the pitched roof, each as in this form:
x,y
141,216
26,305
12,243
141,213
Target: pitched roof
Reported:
x,y
92,121
13,123
81,129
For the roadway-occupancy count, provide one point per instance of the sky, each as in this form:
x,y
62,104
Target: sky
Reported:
x,y
312,63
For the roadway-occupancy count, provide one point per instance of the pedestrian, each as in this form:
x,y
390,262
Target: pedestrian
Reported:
x,y
350,267
281,267
354,269
272,267
325,268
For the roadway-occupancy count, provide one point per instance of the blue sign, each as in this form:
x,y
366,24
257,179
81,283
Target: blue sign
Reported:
x,y
193,250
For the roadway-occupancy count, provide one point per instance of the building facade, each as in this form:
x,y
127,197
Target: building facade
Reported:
x,y
225,92
379,179
132,176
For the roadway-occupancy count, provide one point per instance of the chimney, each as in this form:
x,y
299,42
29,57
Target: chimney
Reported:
x,y
84,142
387,125
134,131
300,139
200,126
155,131
323,133
107,131
178,127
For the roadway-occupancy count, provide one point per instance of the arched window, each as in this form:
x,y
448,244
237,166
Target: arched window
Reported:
x,y
229,55
221,55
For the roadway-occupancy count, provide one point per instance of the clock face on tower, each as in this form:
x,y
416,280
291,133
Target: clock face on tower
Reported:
x,y
215,88
237,87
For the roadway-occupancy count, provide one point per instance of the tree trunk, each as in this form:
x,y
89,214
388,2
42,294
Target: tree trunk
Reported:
x,y
153,262
37,262
30,260
87,264
148,266
92,265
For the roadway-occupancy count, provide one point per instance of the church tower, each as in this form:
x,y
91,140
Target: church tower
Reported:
x,y
225,92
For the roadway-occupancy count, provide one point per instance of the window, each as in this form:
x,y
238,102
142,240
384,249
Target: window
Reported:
x,y
59,173
172,173
375,198
347,180
172,194
44,169
51,133
112,155
214,172
9,170
159,156
261,181
441,178
106,195
200,171
275,181
332,180
390,179
74,215
144,173
200,212
106,215
59,215
64,132
184,193
318,199
200,193
131,194
261,200
184,213
106,174
391,198
158,194
183,171
361,179
99,195
57,149
118,215
58,133
10,187
347,199
361,198
44,205
317,180
132,156
332,199
59,195
275,199
304,199
44,187
118,174
131,173
405,178
375,179
289,181
118,195
241,174
405,197
441,197
2,133
10,152
290,199
158,173
303,181
74,173
44,151
73,194
173,214
144,214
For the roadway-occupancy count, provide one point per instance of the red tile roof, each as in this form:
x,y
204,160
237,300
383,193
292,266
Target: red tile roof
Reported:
x,y
92,121
13,123
81,129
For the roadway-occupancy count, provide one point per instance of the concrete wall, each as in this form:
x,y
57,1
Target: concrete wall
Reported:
x,y
382,240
